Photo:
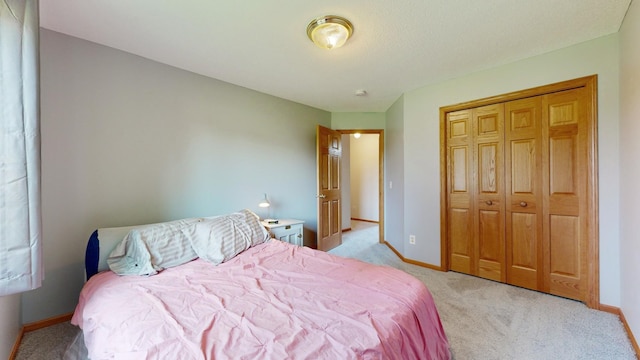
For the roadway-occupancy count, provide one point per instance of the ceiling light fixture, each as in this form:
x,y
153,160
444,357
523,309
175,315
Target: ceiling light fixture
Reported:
x,y
329,31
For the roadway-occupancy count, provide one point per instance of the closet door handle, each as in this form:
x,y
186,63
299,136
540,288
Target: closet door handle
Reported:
x,y
523,203
489,202
321,196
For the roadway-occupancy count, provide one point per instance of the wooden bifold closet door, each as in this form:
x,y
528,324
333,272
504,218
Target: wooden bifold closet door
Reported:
x,y
476,226
519,181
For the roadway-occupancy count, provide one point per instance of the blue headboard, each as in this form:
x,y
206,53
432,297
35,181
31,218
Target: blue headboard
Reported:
x,y
101,243
92,255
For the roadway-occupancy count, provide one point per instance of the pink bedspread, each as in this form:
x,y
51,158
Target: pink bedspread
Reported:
x,y
273,301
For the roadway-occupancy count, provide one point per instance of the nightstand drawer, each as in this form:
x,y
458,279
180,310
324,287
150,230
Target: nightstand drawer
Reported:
x,y
287,230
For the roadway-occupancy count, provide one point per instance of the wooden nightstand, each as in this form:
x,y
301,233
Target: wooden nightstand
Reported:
x,y
287,230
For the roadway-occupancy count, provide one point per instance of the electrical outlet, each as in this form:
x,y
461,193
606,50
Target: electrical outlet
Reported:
x,y
412,239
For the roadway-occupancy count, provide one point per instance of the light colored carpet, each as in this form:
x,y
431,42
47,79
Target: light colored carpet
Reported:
x,y
486,320
482,319
48,343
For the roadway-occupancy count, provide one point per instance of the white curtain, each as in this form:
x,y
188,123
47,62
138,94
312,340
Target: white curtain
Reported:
x,y
20,220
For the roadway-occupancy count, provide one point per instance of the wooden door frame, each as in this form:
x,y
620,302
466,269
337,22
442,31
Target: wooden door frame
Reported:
x,y
593,255
380,132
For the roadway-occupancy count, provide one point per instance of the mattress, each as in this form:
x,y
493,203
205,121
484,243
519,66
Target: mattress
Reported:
x,y
273,301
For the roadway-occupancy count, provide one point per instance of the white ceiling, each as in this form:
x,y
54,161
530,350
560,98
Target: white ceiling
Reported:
x,y
397,45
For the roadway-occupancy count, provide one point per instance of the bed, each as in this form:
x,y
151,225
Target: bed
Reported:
x,y
271,300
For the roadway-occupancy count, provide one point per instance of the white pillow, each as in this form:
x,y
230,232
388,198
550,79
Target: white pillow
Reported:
x,y
149,249
221,238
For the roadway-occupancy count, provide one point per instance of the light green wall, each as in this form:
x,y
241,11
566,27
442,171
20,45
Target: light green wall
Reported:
x,y
421,143
394,174
9,323
345,185
128,141
630,167
357,120
364,170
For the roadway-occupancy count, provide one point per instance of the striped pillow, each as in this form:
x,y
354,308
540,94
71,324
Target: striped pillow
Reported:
x,y
149,249
221,238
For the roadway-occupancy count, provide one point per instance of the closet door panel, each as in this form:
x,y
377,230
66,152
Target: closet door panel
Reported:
x,y
490,245
460,192
525,242
461,221
490,213
459,125
562,156
565,250
523,193
461,246
488,173
459,165
565,127
523,167
564,194
524,261
488,126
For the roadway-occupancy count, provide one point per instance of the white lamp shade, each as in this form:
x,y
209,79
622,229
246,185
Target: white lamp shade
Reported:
x,y
264,203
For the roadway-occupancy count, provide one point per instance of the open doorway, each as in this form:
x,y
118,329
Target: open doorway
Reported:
x,y
362,180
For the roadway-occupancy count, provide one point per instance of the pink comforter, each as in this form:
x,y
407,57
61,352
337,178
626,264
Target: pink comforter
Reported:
x,y
273,301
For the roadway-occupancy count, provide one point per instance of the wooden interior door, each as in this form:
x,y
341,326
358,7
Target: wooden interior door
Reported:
x,y
565,125
488,126
460,192
523,160
328,153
